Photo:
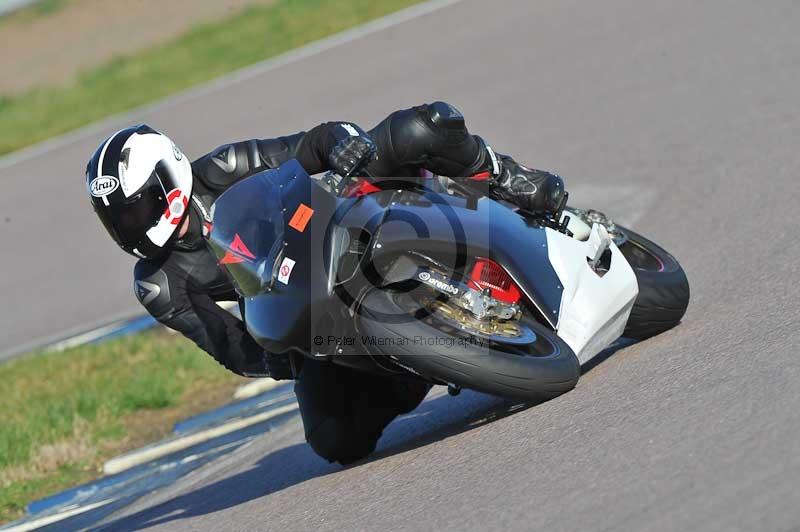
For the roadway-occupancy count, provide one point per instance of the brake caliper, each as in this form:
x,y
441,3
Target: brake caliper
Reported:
x,y
486,295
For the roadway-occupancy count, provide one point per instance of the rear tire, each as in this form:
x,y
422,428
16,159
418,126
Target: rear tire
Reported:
x,y
663,288
491,368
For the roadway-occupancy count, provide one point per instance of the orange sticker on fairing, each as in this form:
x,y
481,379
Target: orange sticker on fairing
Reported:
x,y
301,217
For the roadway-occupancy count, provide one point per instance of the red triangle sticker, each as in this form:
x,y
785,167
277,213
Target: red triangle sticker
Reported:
x,y
237,252
237,246
230,258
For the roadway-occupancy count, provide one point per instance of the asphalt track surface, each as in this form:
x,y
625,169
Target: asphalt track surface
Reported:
x,y
679,118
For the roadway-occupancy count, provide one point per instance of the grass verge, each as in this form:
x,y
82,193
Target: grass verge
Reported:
x,y
37,9
206,52
65,413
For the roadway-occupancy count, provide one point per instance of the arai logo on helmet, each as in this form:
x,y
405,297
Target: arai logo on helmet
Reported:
x,y
103,186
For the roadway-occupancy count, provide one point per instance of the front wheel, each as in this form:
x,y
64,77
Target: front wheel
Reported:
x,y
663,287
535,365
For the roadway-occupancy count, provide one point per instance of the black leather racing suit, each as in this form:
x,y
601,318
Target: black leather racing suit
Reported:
x,y
181,289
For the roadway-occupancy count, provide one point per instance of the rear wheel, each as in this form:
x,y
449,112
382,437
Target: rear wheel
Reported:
x,y
663,287
523,360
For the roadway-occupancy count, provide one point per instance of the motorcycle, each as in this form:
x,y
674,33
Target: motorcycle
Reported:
x,y
423,280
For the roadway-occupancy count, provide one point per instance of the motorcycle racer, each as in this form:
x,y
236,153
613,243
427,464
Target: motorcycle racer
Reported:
x,y
155,204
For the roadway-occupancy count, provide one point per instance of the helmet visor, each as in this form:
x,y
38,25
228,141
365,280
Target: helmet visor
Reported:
x,y
138,214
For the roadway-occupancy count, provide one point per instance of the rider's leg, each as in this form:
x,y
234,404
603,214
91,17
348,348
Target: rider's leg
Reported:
x,y
435,136
344,411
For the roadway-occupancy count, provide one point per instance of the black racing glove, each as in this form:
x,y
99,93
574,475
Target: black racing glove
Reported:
x,y
352,154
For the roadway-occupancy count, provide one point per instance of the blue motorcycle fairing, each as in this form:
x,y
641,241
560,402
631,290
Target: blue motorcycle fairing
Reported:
x,y
462,229
282,317
452,229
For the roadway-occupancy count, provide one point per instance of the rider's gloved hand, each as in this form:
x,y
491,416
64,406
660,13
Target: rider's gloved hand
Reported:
x,y
352,154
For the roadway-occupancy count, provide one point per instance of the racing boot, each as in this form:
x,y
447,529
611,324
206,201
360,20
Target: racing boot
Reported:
x,y
532,190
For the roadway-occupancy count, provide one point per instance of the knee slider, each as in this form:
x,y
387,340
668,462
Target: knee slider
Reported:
x,y
334,441
444,116
151,287
423,132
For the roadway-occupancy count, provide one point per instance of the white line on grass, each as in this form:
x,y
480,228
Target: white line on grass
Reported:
x,y
55,518
148,454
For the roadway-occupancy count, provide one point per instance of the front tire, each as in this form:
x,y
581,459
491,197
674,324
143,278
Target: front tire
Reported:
x,y
541,370
663,287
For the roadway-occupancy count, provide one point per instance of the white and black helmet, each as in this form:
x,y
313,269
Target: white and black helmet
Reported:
x,y
140,185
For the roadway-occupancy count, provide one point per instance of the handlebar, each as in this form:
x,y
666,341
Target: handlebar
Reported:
x,y
338,184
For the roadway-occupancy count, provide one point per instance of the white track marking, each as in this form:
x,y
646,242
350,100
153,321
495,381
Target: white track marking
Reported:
x,y
148,454
50,519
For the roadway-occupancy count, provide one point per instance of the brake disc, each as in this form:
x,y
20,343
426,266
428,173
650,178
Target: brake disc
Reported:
x,y
501,331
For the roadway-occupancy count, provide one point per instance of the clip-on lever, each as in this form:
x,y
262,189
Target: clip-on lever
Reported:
x,y
554,220
561,225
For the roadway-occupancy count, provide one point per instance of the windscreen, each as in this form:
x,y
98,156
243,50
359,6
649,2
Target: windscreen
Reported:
x,y
247,232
